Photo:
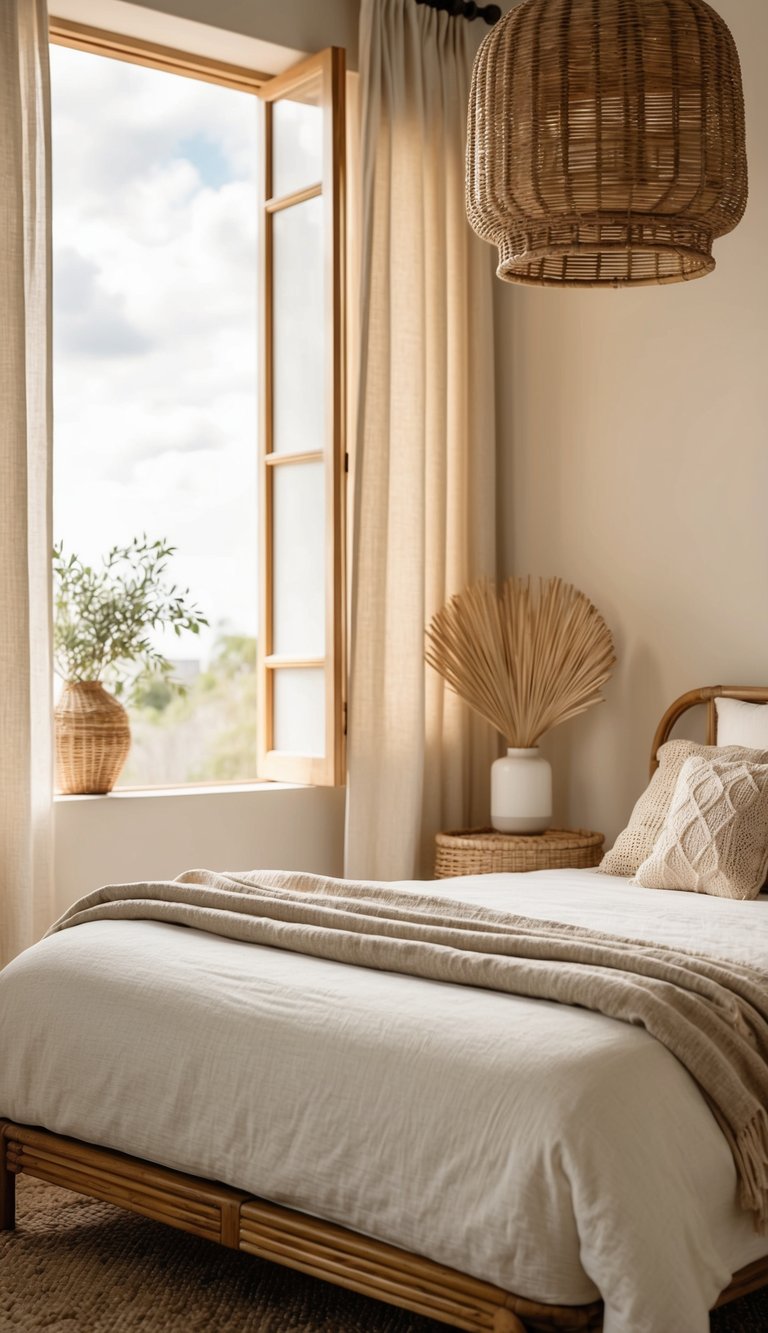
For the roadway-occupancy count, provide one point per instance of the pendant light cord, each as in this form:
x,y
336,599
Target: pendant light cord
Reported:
x,y
465,9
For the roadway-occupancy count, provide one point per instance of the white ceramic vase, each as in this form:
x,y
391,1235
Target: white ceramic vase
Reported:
x,y
521,792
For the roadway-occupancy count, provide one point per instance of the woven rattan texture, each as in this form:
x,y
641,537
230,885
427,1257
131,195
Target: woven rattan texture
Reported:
x,y
485,852
93,738
606,141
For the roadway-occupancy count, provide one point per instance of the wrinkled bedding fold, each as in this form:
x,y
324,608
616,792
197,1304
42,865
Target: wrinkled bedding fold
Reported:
x,y
711,1015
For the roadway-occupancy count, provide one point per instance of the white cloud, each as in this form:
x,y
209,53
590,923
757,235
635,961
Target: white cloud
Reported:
x,y
90,321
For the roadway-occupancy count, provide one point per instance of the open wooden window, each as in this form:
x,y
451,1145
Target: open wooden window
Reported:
x,y
302,448
299,156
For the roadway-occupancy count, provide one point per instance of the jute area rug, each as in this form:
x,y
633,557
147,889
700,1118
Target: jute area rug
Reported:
x,y
77,1266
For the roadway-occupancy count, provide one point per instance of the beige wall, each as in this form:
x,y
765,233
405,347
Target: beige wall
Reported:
x,y
633,448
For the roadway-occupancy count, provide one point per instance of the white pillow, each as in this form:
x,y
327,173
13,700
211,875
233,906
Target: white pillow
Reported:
x,y
739,723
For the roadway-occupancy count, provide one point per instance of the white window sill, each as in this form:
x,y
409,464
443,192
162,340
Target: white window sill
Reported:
x,y
153,793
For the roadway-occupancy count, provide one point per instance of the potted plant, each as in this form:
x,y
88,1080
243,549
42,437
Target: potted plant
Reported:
x,y
103,619
526,658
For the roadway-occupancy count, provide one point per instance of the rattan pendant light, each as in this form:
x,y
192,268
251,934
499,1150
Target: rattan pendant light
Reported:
x,y
606,141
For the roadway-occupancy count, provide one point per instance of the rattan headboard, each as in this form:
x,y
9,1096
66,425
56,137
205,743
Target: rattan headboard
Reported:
x,y
756,694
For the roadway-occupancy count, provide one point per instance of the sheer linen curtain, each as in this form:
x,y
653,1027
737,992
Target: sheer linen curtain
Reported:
x,y
26,896
424,509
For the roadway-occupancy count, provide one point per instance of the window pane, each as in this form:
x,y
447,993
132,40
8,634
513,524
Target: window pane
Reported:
x,y
155,322
297,144
298,578
298,328
299,710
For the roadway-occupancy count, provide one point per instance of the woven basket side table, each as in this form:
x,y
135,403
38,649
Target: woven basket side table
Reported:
x,y
486,852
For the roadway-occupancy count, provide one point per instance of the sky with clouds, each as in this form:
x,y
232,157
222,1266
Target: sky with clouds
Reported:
x,y
155,323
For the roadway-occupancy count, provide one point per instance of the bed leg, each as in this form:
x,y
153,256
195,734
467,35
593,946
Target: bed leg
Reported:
x,y
507,1322
7,1188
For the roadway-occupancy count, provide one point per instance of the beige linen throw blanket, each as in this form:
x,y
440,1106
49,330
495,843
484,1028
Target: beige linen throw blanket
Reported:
x,y
711,1015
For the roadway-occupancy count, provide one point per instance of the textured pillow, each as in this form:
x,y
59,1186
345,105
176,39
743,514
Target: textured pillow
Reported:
x,y
638,839
715,836
739,723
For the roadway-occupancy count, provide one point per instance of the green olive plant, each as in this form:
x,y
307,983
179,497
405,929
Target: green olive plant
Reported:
x,y
103,617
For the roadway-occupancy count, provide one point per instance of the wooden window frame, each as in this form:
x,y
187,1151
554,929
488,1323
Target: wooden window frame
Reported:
x,y
138,52
329,66
327,769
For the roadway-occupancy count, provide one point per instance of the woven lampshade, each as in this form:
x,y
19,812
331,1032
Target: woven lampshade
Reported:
x,y
606,141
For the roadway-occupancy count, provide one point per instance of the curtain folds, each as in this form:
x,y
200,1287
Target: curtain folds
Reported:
x,y
424,507
26,895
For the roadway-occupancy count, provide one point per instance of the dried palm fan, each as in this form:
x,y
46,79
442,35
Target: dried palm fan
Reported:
x,y
526,658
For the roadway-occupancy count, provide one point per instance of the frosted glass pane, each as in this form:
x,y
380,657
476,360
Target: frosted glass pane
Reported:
x,y
297,146
299,710
298,323
298,571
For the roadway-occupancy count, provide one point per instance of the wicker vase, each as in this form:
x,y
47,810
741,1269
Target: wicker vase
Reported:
x,y
93,737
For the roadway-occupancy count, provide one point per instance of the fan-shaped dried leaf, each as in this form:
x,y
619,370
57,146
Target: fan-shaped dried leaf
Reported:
x,y
526,658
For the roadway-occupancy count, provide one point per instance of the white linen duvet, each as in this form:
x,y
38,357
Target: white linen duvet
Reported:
x,y
553,1151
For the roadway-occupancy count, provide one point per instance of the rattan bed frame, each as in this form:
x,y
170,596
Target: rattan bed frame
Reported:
x,y
242,1222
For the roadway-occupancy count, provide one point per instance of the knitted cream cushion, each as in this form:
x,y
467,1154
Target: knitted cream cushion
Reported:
x,y
715,836
638,839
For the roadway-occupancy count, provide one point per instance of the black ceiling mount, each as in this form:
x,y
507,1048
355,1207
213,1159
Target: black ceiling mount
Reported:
x,y
465,9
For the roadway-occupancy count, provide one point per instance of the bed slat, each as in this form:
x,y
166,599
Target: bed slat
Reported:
x,y
199,1207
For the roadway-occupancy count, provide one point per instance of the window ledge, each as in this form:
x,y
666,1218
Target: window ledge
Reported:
x,y
155,793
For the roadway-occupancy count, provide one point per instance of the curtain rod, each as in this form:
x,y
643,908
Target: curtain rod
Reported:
x,y
466,9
